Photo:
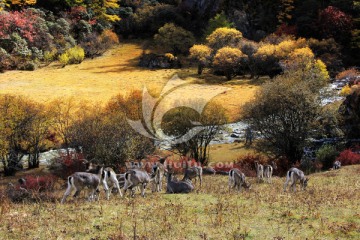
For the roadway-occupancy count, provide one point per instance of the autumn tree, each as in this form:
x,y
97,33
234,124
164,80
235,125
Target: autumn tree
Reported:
x,y
219,21
283,113
328,51
265,61
63,114
228,60
105,136
302,62
202,54
285,14
39,130
334,23
174,38
350,115
224,37
179,121
23,127
17,4
102,9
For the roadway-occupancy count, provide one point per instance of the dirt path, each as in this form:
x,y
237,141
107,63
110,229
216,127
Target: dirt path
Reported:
x,y
97,80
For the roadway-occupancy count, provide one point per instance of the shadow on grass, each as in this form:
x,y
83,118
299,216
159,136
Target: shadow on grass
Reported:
x,y
208,78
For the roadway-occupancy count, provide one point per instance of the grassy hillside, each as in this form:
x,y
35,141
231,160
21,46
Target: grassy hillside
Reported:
x,y
329,209
97,80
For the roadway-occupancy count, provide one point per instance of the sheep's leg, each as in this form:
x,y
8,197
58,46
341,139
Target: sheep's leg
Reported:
x,y
160,184
77,192
91,195
286,184
231,183
116,183
293,186
154,186
106,188
142,188
67,193
128,184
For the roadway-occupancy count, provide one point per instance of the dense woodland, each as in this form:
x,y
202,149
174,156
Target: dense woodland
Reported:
x,y
41,31
302,44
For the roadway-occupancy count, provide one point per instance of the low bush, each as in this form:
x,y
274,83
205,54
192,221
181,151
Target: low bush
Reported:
x,y
67,164
6,61
76,55
245,163
174,39
64,59
28,66
326,156
95,45
39,183
350,75
348,157
73,55
34,189
50,56
346,90
108,38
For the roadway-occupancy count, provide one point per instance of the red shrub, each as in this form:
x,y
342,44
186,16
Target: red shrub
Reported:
x,y
348,157
67,164
349,73
78,13
18,22
334,23
245,163
39,183
35,189
221,167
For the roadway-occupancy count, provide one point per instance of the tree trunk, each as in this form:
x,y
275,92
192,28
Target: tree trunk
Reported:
x,y
200,69
228,76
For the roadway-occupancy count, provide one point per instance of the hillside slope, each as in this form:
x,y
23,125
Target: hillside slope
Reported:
x,y
97,80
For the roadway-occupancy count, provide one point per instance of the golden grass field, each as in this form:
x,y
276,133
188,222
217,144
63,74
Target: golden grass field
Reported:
x,y
116,72
328,209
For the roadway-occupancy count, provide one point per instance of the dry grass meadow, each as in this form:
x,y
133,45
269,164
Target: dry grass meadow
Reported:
x,y
329,209
116,72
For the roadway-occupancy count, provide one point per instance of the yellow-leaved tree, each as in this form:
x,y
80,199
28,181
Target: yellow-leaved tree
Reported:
x,y
302,62
202,54
22,3
228,60
223,37
284,48
103,9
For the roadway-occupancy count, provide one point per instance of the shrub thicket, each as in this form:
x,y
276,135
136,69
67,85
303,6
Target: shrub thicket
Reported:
x,y
326,155
348,157
73,55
